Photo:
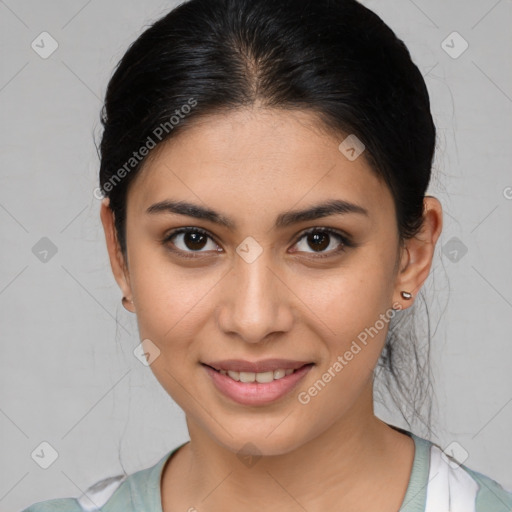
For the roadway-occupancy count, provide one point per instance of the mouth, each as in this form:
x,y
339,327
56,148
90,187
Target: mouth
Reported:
x,y
258,377
257,388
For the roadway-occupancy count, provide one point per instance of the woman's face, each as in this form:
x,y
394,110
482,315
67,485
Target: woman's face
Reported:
x,y
260,287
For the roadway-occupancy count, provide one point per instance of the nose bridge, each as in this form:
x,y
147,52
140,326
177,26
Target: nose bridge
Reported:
x,y
255,305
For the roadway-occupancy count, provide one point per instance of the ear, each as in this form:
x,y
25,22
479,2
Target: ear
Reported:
x,y
417,255
117,261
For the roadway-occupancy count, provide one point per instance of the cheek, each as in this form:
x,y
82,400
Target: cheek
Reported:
x,y
172,308
352,319
170,299
347,300
171,305
350,311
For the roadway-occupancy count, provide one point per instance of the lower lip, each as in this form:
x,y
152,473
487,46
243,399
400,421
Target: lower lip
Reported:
x,y
256,393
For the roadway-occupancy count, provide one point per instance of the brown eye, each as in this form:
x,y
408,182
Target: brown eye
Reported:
x,y
189,240
320,239
194,241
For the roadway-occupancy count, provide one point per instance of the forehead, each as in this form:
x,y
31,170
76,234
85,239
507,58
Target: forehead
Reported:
x,y
257,161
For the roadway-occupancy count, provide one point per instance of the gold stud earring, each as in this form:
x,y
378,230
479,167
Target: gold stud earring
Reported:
x,y
124,300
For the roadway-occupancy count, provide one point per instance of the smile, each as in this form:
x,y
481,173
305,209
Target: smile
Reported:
x,y
257,377
256,388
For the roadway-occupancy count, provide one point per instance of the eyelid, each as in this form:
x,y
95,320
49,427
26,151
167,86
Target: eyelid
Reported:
x,y
324,229
345,240
186,229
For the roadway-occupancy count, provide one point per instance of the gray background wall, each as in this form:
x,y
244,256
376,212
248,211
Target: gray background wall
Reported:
x,y
67,372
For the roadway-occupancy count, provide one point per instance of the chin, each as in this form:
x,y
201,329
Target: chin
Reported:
x,y
250,442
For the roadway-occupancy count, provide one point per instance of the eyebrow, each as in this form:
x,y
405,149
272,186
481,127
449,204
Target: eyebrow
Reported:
x,y
325,209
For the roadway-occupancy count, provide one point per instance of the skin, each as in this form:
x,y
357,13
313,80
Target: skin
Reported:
x,y
251,165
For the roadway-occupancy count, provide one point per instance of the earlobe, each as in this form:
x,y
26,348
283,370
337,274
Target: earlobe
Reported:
x,y
419,252
126,304
117,263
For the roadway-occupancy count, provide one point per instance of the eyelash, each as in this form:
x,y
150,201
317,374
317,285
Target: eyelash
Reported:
x,y
345,241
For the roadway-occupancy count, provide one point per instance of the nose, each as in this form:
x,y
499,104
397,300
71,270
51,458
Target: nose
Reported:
x,y
255,301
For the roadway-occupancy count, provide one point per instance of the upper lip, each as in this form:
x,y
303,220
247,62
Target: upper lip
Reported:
x,y
265,365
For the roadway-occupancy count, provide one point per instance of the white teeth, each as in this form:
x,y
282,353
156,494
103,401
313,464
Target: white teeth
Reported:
x,y
258,377
247,376
279,374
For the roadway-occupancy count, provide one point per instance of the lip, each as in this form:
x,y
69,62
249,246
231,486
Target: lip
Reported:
x,y
265,365
257,393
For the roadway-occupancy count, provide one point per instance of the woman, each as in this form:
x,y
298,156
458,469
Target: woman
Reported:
x,y
265,165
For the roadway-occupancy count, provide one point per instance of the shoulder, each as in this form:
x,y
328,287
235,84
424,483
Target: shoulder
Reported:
x,y
57,505
454,485
95,497
122,493
491,496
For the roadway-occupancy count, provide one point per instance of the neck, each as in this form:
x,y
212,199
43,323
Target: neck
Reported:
x,y
354,457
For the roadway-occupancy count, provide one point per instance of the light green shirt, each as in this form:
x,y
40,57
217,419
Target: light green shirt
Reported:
x,y
437,484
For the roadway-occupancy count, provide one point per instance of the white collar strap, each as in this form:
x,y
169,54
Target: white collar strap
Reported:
x,y
450,488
